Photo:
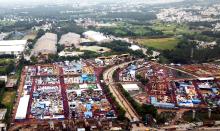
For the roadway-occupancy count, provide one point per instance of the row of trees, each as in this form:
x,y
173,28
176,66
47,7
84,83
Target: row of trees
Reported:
x,y
146,16
186,52
120,111
133,32
19,26
143,109
121,47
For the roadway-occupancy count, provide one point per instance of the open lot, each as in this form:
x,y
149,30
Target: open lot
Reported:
x,y
95,48
159,43
31,35
8,98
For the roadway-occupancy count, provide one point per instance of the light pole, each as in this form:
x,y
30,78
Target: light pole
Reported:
x,y
194,114
209,112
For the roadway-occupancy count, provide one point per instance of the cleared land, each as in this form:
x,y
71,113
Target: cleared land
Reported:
x,y
159,43
94,48
8,98
31,35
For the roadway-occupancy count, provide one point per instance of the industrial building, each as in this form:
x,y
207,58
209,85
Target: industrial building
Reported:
x,y
46,45
12,47
70,40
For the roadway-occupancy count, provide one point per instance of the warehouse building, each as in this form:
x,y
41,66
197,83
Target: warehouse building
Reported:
x,y
12,47
70,39
46,45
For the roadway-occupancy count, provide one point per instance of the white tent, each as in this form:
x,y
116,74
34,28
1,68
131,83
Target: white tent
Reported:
x,y
130,87
22,107
206,78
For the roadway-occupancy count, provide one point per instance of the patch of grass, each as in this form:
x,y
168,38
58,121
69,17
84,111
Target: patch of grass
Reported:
x,y
8,100
5,61
172,28
6,23
159,43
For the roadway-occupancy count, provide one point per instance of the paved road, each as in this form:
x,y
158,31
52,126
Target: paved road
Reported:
x,y
108,77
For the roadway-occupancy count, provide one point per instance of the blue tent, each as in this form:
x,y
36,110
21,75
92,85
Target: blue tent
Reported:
x,y
84,77
88,107
88,114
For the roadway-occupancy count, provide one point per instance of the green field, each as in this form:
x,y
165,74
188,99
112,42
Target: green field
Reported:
x,y
6,61
7,100
159,43
6,23
172,28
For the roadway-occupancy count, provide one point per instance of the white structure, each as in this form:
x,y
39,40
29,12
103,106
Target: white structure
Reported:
x,y
4,78
22,107
70,40
46,45
131,87
15,47
135,47
96,36
2,114
3,35
68,53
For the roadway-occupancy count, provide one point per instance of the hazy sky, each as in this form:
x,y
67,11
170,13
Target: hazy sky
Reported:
x,y
72,1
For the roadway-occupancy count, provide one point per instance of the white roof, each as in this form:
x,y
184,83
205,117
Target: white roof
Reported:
x,y
130,87
22,107
134,47
206,78
67,53
12,45
2,113
83,86
96,36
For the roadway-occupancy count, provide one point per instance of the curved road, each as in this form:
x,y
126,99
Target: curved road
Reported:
x,y
108,78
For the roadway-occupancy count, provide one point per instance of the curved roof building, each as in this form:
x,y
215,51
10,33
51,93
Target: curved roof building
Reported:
x,y
46,45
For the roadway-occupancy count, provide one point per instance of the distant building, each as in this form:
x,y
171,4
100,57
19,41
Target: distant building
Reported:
x,y
12,47
2,114
70,40
96,36
45,27
46,45
11,83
